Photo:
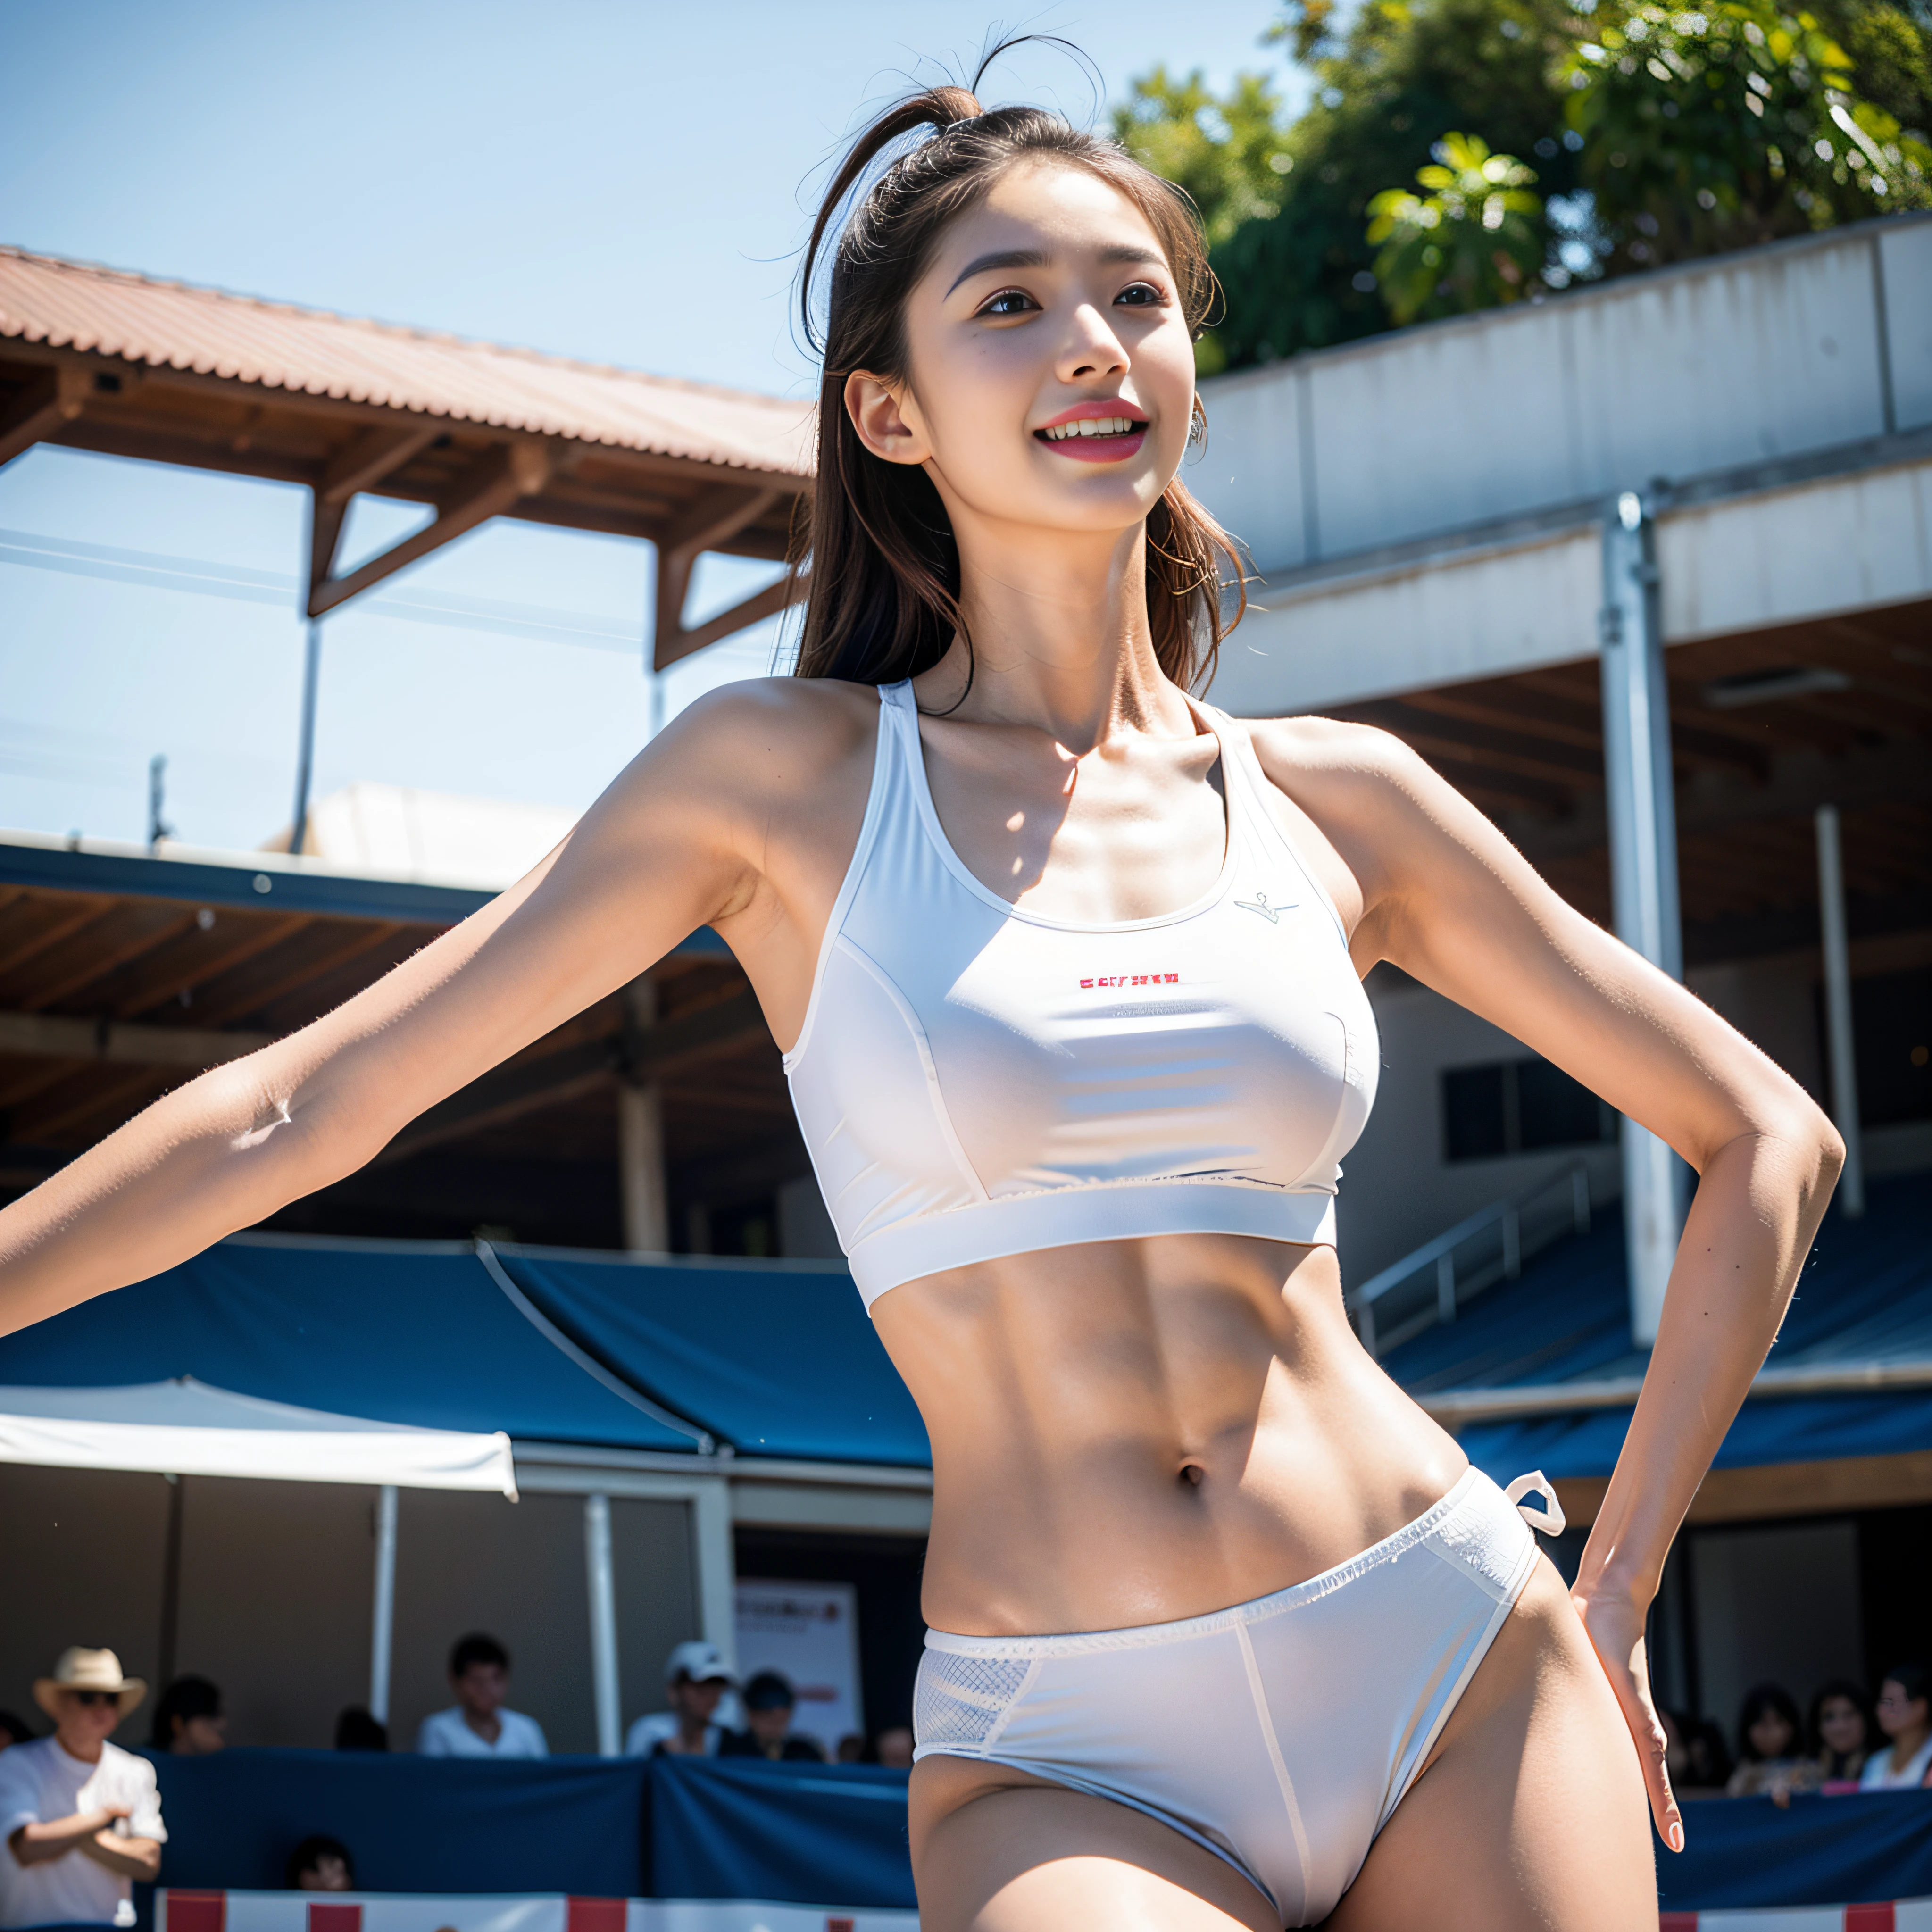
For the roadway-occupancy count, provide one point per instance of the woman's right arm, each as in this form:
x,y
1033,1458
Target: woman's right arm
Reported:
x,y
676,843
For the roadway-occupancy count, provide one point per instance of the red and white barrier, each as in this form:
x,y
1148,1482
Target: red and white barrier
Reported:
x,y
1908,1915
417,1912
176,1911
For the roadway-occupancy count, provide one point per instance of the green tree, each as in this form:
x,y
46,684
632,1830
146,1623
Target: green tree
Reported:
x,y
1727,123
1474,240
1226,151
1297,266
1405,74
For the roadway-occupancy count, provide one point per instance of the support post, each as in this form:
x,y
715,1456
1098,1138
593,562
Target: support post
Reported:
x,y
717,1568
167,1650
602,1577
1839,1037
305,750
1643,866
641,1155
382,1622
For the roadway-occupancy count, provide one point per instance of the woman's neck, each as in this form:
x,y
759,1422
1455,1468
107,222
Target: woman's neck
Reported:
x,y
1061,638
1908,1744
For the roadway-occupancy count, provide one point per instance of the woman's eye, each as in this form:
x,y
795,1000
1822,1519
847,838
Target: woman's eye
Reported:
x,y
1009,301
1140,294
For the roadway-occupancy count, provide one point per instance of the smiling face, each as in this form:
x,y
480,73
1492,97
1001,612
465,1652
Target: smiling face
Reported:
x,y
1050,367
1841,1726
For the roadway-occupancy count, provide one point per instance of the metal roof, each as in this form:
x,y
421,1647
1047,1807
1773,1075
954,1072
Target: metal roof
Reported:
x,y
111,312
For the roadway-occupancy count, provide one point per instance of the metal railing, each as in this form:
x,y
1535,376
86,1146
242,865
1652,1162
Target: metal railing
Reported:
x,y
1491,1246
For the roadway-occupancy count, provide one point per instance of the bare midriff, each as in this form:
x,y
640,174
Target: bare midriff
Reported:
x,y
1127,1432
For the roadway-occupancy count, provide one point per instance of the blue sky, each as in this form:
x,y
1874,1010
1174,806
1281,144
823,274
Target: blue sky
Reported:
x,y
625,182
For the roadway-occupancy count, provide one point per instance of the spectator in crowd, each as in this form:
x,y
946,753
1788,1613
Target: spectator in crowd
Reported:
x,y
769,1701
1905,1718
321,1864
1771,1747
477,1725
696,1678
188,1719
851,1748
1840,1733
80,1817
1710,1757
356,1730
893,1747
14,1730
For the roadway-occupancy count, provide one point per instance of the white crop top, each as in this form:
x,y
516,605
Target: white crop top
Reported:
x,y
975,1080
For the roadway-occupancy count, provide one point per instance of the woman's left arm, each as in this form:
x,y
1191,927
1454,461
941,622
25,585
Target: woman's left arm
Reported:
x,y
1446,897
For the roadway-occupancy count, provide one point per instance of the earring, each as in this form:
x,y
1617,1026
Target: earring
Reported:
x,y
1197,429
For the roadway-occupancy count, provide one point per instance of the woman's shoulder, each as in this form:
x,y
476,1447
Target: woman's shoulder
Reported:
x,y
1335,757
756,719
764,744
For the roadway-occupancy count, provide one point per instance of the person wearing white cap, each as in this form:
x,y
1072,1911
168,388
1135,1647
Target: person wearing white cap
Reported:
x,y
81,1818
696,1678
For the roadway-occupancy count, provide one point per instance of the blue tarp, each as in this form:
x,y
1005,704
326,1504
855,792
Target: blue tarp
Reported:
x,y
1865,1295
412,1824
822,1834
1744,1851
405,1332
817,1834
776,1361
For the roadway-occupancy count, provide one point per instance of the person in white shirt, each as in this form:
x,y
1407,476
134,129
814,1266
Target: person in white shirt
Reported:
x,y
477,1725
80,1819
1905,1716
696,1678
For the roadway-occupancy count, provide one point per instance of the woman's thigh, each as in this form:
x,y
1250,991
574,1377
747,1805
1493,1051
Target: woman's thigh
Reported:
x,y
1531,1813
996,1851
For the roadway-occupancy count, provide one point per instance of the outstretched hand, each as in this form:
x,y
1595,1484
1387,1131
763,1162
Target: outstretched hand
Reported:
x,y
1616,1632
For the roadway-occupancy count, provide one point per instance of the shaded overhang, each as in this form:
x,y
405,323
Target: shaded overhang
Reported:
x,y
99,359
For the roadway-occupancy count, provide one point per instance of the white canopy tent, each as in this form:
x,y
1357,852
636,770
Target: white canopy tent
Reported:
x,y
186,1428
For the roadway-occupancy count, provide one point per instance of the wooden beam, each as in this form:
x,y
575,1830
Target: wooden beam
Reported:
x,y
48,402
525,1085
519,1088
767,603
371,458
516,470
51,1036
715,517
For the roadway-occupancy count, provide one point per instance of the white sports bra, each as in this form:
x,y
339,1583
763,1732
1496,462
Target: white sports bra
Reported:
x,y
975,1080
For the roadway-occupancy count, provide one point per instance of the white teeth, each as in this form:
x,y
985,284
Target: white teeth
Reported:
x,y
1094,426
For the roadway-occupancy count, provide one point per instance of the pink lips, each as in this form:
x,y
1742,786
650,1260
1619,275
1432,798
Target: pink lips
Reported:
x,y
1089,447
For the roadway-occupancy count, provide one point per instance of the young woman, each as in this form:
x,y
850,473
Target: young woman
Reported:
x,y
1840,1734
1771,1750
1067,968
1905,1716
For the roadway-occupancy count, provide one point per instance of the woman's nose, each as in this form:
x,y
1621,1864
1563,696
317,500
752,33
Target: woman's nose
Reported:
x,y
1092,348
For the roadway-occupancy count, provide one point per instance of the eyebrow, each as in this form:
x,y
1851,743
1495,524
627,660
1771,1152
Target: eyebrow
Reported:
x,y
1035,258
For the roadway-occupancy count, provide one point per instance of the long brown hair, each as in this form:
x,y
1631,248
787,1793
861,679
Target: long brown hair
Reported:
x,y
878,561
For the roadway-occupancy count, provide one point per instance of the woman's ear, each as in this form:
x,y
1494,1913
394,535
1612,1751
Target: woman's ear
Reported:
x,y
885,419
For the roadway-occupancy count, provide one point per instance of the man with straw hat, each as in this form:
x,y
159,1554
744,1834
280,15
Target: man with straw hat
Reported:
x,y
80,1819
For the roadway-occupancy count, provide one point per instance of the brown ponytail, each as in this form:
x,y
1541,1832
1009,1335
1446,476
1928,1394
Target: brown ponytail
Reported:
x,y
879,565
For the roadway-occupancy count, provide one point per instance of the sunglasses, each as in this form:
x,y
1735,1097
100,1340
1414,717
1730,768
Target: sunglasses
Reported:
x,y
87,1699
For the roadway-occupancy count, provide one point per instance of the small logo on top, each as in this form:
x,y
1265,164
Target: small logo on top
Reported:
x,y
1259,903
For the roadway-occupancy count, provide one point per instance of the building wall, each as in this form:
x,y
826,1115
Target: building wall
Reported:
x,y
81,1555
275,1596
276,1582
1398,1188
1780,1602
1764,354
